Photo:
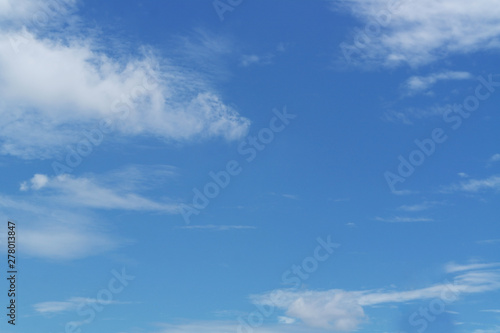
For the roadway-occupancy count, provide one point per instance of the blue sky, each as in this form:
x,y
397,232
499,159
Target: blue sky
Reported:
x,y
251,166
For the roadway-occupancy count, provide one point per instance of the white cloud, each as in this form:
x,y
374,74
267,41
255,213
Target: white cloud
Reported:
x,y
71,304
90,192
492,330
231,327
489,241
60,223
495,158
265,59
397,219
476,185
291,196
419,32
65,242
286,320
37,182
421,83
53,233
253,59
345,310
408,115
31,10
453,268
419,207
54,89
217,227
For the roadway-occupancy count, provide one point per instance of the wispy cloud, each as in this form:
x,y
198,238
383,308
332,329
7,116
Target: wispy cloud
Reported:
x,y
44,109
495,158
492,330
70,305
285,195
216,227
489,241
343,310
420,32
91,193
263,59
253,59
453,268
61,210
403,219
475,185
419,207
286,320
416,84
408,116
232,326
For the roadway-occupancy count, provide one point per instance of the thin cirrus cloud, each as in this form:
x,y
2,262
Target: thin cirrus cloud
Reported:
x,y
419,207
72,304
341,310
495,158
52,89
488,241
409,115
416,84
475,185
263,59
453,268
217,227
420,32
403,219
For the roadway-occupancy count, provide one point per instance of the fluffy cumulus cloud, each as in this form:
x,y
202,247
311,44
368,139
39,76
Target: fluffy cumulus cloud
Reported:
x,y
419,32
54,88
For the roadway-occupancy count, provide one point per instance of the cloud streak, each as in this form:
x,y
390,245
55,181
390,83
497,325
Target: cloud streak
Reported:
x,y
476,185
89,192
420,32
342,310
417,84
